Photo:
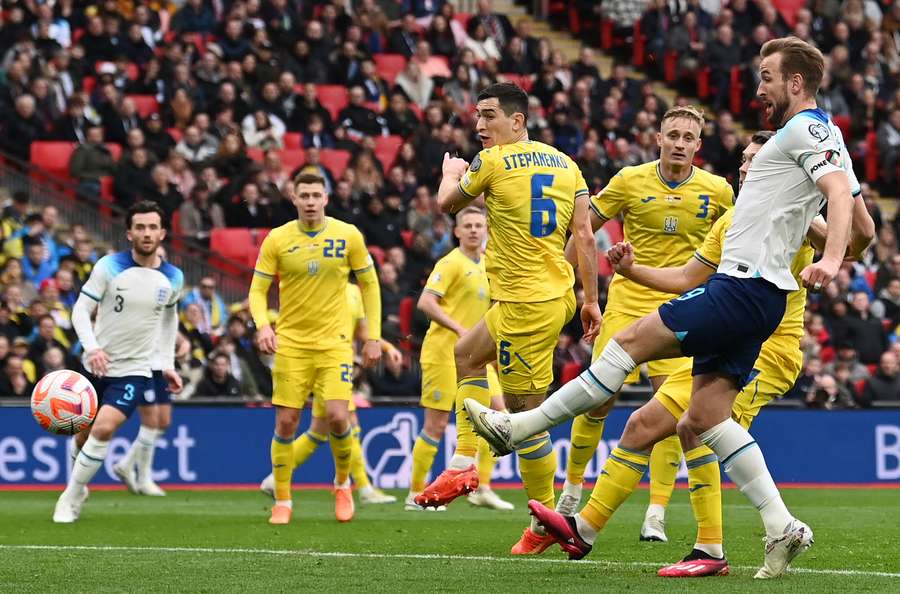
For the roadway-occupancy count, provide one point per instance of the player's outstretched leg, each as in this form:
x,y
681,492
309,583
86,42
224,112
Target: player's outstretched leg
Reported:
x,y
707,558
665,459
786,536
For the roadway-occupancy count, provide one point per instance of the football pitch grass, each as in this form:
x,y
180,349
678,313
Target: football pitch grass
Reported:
x,y
219,541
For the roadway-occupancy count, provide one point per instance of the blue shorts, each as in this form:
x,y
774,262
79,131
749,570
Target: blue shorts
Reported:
x,y
123,393
159,394
723,323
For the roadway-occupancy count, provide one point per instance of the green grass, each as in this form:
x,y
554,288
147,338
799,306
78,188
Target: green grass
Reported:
x,y
462,550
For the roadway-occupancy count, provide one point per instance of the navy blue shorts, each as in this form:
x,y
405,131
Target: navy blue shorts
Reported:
x,y
723,323
123,393
159,394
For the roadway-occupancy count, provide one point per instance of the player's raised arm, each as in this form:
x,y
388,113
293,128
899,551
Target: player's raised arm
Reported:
x,y
451,198
677,279
265,271
862,231
836,188
583,238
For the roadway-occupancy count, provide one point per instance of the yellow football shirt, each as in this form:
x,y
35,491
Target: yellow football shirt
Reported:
x,y
355,305
710,253
665,222
529,189
313,269
461,286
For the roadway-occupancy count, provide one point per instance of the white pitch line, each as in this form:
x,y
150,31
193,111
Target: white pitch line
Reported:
x,y
421,557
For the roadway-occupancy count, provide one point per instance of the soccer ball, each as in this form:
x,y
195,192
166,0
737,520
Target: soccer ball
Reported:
x,y
64,402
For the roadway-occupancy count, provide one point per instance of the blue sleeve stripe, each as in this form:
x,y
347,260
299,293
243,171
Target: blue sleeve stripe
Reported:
x,y
598,213
94,297
705,261
361,270
463,192
263,274
582,192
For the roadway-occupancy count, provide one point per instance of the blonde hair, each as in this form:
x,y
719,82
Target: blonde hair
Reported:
x,y
798,57
468,210
687,111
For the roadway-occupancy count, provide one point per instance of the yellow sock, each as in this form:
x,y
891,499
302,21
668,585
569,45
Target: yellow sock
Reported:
x,y
705,482
281,467
586,434
423,454
305,446
486,462
618,479
342,451
469,387
357,462
537,465
664,462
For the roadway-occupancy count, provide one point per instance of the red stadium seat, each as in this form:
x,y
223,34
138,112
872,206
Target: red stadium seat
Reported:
x,y
843,122
115,150
231,243
637,49
614,230
386,149
255,154
146,104
703,83
53,156
408,237
871,157
523,80
375,106
407,305
293,140
175,133
859,385
569,372
334,98
88,84
377,254
292,158
335,160
736,90
670,66
462,18
388,66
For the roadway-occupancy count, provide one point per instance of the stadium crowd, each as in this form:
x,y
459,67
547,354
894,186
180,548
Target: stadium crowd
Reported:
x,y
238,107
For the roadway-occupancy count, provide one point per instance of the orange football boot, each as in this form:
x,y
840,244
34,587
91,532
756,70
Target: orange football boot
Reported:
x,y
281,514
532,543
448,486
343,504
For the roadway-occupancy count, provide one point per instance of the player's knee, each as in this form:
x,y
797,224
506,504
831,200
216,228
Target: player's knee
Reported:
x,y
436,425
338,420
103,431
463,362
638,433
286,422
690,425
602,411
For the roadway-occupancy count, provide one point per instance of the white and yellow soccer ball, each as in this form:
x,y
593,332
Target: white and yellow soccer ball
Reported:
x,y
64,402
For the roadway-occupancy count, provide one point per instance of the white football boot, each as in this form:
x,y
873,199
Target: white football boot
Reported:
x,y
797,538
486,497
411,505
569,499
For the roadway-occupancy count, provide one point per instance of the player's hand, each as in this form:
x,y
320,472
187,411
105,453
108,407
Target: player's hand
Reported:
x,y
621,256
98,362
454,166
816,276
371,353
174,380
265,340
591,318
393,355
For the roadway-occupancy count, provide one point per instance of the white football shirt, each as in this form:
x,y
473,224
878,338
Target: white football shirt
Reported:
x,y
131,301
779,198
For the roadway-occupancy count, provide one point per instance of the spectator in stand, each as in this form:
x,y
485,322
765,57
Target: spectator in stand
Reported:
x,y
133,179
403,39
496,25
867,331
359,120
180,173
72,125
239,369
480,43
263,130
395,379
380,228
196,148
45,339
846,354
91,161
213,311
163,191
831,100
885,384
13,381
65,285
401,120
156,138
343,206
368,177
829,395
441,37
198,215
252,209
218,380
124,119
35,268
231,160
194,16
889,298
417,87
889,148
316,135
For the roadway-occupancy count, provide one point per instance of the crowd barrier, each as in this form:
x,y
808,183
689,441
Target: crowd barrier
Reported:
x,y
230,446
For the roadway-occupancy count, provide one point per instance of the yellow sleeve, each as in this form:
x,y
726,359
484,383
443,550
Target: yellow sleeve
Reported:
x,y
710,252
442,277
264,272
725,198
480,173
358,254
612,199
581,187
367,279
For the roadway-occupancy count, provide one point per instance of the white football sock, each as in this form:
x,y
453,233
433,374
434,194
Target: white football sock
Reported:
x,y
655,510
713,550
592,388
743,461
144,446
587,532
89,461
458,462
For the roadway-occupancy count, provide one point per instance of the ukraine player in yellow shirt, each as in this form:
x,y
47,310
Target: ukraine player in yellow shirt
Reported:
x,y
534,194
455,298
317,434
668,206
313,257
775,371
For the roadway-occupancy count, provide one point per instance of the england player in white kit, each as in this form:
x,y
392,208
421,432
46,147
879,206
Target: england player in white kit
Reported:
x,y
723,323
135,294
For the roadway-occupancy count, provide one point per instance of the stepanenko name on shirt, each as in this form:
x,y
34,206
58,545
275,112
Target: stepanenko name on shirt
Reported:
x,y
529,159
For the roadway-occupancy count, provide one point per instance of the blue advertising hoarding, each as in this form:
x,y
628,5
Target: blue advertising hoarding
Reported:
x,y
230,446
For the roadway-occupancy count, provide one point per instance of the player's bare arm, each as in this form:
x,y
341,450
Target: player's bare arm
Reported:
x,y
836,188
583,238
862,231
450,198
429,305
389,350
669,280
596,222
